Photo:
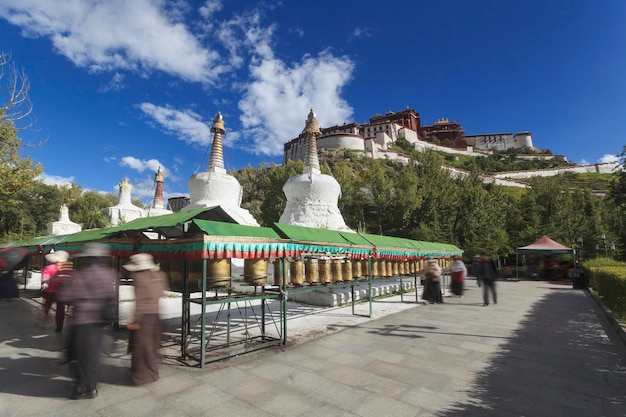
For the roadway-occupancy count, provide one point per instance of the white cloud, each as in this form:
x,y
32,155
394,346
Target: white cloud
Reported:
x,y
210,7
277,101
608,158
150,165
116,83
186,124
55,179
359,33
137,35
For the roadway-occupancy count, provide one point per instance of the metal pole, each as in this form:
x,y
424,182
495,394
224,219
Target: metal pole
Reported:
x,y
202,316
369,283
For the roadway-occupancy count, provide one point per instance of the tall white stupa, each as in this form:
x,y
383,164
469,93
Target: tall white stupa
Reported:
x,y
312,197
157,209
215,187
124,211
64,226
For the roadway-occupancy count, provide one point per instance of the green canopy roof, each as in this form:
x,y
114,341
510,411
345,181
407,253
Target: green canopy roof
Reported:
x,y
232,229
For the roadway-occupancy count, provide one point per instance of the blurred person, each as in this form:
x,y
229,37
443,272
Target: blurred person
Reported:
x,y
52,277
86,291
150,283
458,272
488,276
10,260
432,285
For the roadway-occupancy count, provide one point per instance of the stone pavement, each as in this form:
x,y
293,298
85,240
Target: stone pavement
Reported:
x,y
544,350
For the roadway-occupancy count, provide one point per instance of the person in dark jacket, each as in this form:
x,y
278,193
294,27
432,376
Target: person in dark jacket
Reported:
x,y
87,291
10,260
488,277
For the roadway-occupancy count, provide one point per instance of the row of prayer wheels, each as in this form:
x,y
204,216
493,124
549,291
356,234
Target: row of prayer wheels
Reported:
x,y
311,270
326,271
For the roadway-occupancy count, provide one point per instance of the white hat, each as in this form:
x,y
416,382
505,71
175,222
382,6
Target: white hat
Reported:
x,y
431,259
94,250
58,256
140,262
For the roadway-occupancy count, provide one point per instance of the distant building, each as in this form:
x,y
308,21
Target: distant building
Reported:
x,y
373,139
500,141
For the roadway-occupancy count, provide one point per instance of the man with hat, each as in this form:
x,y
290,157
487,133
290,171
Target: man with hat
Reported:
x,y
150,283
52,276
87,290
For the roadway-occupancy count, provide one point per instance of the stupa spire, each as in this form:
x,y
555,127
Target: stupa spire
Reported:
x,y
158,191
311,132
216,160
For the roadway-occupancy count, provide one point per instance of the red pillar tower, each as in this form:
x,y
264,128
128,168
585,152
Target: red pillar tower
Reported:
x,y
158,192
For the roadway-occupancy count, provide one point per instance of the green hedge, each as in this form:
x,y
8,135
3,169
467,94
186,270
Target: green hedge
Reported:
x,y
609,283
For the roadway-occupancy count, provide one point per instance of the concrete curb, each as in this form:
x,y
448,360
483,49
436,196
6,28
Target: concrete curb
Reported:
x,y
619,327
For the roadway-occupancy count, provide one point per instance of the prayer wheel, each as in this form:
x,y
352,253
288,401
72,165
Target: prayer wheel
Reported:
x,y
412,267
217,272
395,268
401,268
364,267
375,263
346,270
326,274
336,270
357,271
255,271
278,276
382,268
296,272
311,271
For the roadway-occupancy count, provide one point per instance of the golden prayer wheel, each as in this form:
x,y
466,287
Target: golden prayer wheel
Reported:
x,y
364,267
375,263
278,276
311,271
346,270
356,268
396,268
382,268
255,271
296,272
326,274
336,270
401,268
217,272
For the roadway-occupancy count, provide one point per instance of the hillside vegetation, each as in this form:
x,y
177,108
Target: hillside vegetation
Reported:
x,y
422,201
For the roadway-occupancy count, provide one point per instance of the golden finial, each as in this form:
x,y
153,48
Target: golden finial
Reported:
x,y
218,124
311,124
158,177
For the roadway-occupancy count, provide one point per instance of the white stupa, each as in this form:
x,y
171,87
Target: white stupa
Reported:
x,y
64,226
157,208
124,211
312,197
215,187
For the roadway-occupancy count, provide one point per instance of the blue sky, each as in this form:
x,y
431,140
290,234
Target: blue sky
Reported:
x,y
121,87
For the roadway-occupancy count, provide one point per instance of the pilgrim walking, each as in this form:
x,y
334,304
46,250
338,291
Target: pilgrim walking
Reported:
x,y
86,291
150,284
432,284
52,277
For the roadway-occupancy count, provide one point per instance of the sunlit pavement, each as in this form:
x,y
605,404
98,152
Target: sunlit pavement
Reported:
x,y
544,349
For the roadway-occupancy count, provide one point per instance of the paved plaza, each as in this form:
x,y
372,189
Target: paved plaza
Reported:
x,y
544,350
